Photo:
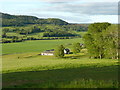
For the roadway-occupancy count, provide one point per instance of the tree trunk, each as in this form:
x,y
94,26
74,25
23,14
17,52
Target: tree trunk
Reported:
x,y
100,56
117,55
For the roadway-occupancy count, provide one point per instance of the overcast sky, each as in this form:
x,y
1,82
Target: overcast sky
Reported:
x,y
72,11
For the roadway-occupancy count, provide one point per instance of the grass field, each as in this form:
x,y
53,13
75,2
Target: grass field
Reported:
x,y
28,69
31,70
36,46
81,33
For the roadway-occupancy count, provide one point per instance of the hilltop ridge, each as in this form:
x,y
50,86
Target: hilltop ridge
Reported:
x,y
22,20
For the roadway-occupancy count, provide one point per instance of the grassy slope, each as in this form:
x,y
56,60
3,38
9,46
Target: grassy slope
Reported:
x,y
35,46
28,69
48,71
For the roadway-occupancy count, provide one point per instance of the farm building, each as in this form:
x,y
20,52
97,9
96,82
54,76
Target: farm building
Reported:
x,y
82,45
66,51
51,52
47,53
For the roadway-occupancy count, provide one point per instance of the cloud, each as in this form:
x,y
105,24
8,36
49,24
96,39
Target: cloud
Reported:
x,y
97,8
105,18
77,12
69,10
81,0
59,0
75,7
84,8
64,16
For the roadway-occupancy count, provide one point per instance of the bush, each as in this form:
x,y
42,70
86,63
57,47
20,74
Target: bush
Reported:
x,y
76,48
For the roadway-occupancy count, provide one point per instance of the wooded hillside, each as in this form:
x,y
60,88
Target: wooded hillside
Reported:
x,y
22,20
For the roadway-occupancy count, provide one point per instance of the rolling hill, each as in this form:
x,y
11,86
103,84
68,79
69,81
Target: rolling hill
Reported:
x,y
22,20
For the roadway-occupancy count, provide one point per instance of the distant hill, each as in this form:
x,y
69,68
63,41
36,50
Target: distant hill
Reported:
x,y
22,20
18,28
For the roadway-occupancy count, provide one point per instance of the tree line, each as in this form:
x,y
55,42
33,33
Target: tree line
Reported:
x,y
21,33
58,34
59,50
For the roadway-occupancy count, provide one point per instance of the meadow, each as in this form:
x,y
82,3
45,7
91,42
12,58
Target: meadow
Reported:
x,y
36,46
24,67
49,72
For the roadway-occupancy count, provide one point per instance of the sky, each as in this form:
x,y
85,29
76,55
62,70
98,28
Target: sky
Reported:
x,y
72,11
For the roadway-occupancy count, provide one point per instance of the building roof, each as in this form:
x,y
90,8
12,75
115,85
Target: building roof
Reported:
x,y
52,51
67,49
47,52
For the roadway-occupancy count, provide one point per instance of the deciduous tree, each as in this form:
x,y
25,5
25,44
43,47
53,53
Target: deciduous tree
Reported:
x,y
59,51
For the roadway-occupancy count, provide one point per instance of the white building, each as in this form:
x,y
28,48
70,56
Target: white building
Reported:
x,y
66,51
47,53
51,52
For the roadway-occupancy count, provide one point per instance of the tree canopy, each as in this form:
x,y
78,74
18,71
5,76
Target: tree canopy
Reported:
x,y
76,48
59,51
102,40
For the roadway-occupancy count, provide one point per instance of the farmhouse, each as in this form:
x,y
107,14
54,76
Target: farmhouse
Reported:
x,y
82,45
47,53
51,52
66,51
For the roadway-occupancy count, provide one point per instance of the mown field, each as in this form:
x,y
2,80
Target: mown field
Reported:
x,y
28,69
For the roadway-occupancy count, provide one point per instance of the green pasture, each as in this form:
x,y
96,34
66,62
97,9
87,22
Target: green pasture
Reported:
x,y
31,70
24,67
36,45
81,33
32,35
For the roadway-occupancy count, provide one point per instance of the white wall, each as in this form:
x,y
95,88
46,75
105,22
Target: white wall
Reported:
x,y
50,54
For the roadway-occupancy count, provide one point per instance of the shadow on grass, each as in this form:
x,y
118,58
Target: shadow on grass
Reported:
x,y
74,56
62,77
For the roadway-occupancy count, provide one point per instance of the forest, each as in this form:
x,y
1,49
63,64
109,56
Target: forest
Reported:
x,y
23,20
